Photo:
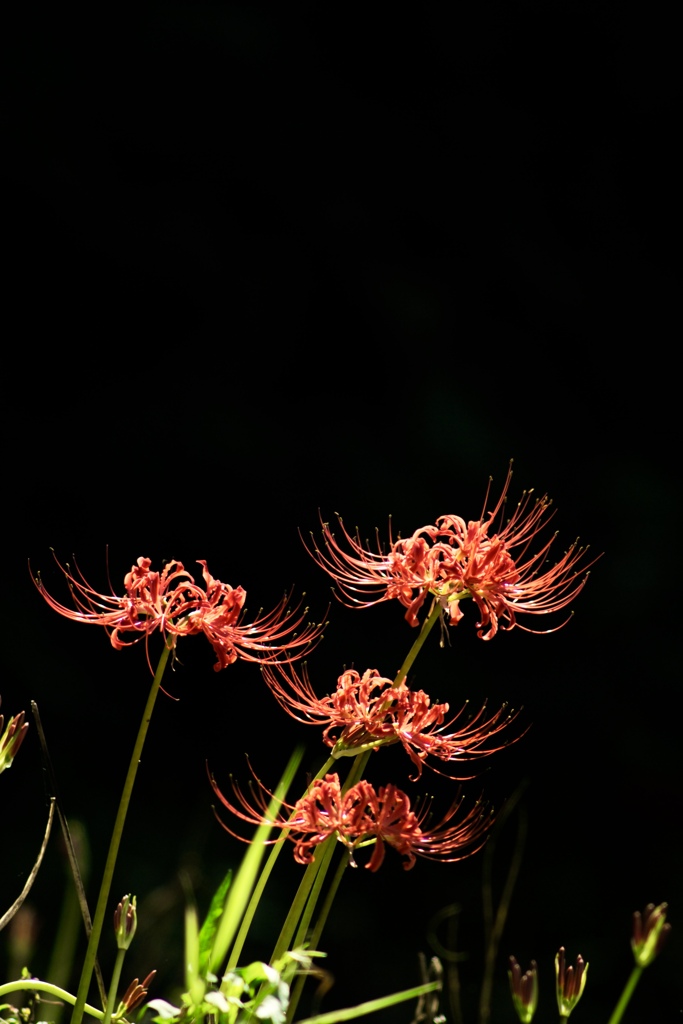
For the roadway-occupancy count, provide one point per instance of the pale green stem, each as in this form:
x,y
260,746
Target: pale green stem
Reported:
x,y
113,988
306,917
351,1012
356,770
417,646
317,932
329,899
626,995
249,913
105,886
33,985
298,904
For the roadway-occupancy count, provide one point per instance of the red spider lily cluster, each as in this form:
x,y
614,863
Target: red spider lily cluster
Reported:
x,y
363,816
453,560
172,602
488,561
369,711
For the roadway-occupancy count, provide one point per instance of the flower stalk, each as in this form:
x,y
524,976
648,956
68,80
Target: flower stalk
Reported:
x,y
650,931
108,874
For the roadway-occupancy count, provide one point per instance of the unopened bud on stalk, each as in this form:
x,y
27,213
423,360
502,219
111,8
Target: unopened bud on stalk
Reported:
x,y
524,989
571,982
649,933
125,921
11,739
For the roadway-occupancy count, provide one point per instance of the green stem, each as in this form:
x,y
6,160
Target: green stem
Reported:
x,y
417,646
626,995
33,985
317,932
327,905
249,913
105,886
307,916
113,988
373,1005
299,902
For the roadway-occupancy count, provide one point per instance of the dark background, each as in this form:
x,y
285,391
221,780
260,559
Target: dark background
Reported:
x,y
263,262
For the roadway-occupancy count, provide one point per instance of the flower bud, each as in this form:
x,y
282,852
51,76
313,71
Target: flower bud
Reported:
x,y
571,982
524,989
11,739
649,933
125,921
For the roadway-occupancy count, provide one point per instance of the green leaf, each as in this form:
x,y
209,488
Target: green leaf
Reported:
x,y
209,928
194,981
373,1005
248,871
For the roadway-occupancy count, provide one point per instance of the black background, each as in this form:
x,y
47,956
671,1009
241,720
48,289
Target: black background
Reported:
x,y
263,262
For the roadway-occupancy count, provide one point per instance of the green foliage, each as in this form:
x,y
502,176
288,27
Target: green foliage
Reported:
x,y
258,992
209,929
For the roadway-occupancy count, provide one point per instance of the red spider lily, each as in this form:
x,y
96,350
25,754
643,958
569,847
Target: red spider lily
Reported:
x,y
363,816
369,711
454,560
173,603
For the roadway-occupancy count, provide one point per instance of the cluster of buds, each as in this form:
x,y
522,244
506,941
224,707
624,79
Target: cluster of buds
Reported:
x,y
11,739
650,931
570,983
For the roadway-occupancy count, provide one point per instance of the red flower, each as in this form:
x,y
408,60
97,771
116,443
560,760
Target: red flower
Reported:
x,y
454,560
363,816
369,711
173,603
